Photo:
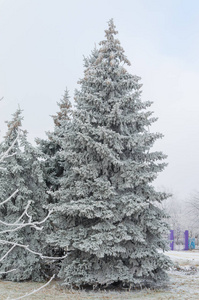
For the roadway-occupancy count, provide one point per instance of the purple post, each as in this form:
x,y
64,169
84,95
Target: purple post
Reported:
x,y
172,239
186,237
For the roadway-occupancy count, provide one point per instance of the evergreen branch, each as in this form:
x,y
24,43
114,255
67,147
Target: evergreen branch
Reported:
x,y
34,291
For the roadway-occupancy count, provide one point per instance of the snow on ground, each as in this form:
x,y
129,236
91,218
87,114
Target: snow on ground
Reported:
x,y
191,257
184,284
184,277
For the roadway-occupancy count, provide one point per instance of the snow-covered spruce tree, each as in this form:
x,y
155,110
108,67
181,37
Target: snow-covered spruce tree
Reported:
x,y
107,215
22,172
54,169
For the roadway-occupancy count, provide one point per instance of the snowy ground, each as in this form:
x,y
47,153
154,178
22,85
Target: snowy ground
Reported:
x,y
183,257
184,284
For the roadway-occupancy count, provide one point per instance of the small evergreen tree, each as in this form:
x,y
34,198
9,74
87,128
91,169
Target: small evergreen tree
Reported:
x,y
107,217
22,172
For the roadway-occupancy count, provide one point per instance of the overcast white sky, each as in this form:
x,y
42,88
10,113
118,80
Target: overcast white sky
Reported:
x,y
42,43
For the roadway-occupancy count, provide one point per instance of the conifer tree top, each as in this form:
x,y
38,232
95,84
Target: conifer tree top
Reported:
x,y
112,44
15,123
65,109
111,30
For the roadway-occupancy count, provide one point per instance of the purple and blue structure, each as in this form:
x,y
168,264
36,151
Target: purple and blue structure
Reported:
x,y
186,239
172,239
188,243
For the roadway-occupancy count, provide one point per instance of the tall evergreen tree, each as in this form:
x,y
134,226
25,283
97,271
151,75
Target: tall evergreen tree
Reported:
x,y
23,172
107,216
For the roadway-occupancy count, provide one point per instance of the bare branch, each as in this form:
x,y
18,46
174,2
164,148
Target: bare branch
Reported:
x,y
7,252
24,213
13,194
6,272
31,251
21,225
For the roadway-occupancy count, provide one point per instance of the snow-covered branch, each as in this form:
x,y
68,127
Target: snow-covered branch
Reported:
x,y
6,272
2,258
22,225
28,249
13,194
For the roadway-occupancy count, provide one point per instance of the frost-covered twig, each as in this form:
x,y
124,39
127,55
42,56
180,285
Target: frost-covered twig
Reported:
x,y
6,272
13,194
22,225
10,155
4,256
34,291
31,251
25,213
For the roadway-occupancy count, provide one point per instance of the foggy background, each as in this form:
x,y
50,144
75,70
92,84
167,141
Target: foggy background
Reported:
x,y
42,44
